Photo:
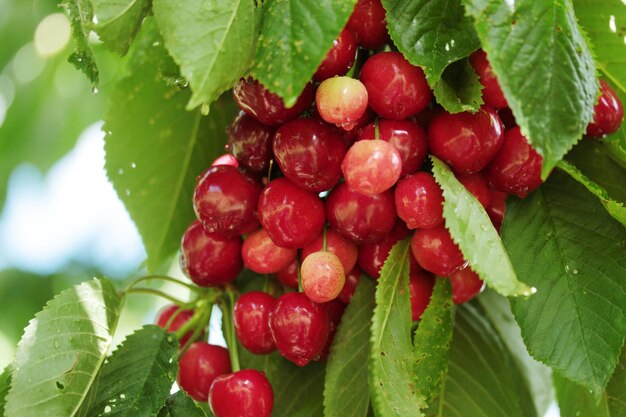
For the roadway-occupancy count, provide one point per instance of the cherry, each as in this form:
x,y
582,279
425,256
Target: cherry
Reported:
x,y
199,366
268,108
309,153
477,185
341,101
396,89
323,276
421,285
466,284
516,169
261,255
251,317
334,310
466,141
225,200
345,250
350,136
497,208
373,256
492,93
226,159
435,251
406,136
293,217
371,166
368,24
360,218
340,57
352,280
419,201
289,276
250,141
210,258
181,318
608,113
299,327
245,393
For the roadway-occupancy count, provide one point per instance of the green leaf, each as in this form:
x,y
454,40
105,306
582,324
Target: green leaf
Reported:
x,y
155,149
81,15
181,405
295,37
213,41
544,67
62,350
431,33
472,230
432,340
564,242
137,378
119,21
346,393
5,386
392,367
459,88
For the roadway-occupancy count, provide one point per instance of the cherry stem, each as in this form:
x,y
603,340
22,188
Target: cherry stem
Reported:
x,y
266,284
204,321
361,56
376,130
191,287
300,289
173,317
158,293
324,239
229,328
269,170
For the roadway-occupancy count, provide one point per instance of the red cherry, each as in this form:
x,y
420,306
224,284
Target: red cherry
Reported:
x,y
368,24
492,93
334,310
345,250
341,101
245,393
477,185
251,317
516,169
497,207
210,258
373,256
309,153
183,317
225,201
466,141
466,284
250,141
419,201
289,276
435,251
226,159
607,114
396,89
360,218
352,280
199,366
323,276
293,217
421,285
371,166
261,255
340,58
299,327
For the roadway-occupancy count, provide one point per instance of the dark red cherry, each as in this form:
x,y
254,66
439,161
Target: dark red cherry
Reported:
x,y
225,201
251,317
373,256
477,185
467,141
309,153
352,280
421,285
226,159
345,250
360,218
371,166
334,310
289,276
299,327
492,93
435,251
256,100
199,366
516,169
293,217
419,201
322,276
368,24
181,318
497,207
396,89
261,255
466,284
210,258
250,141
607,114
245,393
340,58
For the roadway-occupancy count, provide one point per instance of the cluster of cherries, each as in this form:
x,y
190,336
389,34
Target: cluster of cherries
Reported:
x,y
318,193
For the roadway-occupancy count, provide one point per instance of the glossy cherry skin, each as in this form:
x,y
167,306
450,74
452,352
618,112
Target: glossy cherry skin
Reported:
x,y
289,276
199,366
435,251
225,201
396,89
250,141
334,310
371,166
251,318
372,256
299,327
608,113
492,93
368,24
466,141
477,185
268,108
341,101
419,201
421,285
497,208
323,276
181,318
466,284
245,393
210,258
226,159
261,255
352,280
406,136
293,217
516,169
309,153
351,136
345,250
360,218
340,58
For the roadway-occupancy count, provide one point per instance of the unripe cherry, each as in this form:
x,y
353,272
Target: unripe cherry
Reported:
x,y
371,166
341,101
323,276
261,255
345,250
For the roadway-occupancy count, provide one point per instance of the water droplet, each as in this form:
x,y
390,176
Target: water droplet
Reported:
x,y
94,90
133,165
181,83
120,171
122,396
127,191
204,109
575,271
107,409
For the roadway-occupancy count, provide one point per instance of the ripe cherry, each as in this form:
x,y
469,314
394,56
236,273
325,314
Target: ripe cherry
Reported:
x,y
261,255
245,393
334,310
323,276
466,141
492,93
466,284
372,256
497,208
341,101
421,285
299,327
199,366
210,258
251,318
368,23
608,113
435,251
419,201
181,318
345,250
352,280
289,276
250,141
477,185
396,89
371,166
340,57
226,159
